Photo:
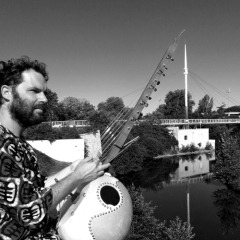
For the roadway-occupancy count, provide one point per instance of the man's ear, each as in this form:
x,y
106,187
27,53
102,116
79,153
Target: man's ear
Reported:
x,y
6,92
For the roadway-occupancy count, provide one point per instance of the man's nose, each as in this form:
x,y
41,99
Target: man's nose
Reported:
x,y
43,98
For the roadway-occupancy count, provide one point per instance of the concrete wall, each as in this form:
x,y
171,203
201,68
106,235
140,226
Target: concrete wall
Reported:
x,y
66,150
69,150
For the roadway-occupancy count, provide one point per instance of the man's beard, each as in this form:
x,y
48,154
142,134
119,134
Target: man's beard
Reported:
x,y
23,111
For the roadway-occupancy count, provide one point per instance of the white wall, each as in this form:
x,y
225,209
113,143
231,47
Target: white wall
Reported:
x,y
66,150
188,136
196,136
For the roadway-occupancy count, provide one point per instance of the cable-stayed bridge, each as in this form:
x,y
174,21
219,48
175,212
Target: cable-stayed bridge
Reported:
x,y
164,122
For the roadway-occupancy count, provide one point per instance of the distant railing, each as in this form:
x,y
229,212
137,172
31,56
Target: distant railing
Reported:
x,y
164,122
198,121
70,123
189,180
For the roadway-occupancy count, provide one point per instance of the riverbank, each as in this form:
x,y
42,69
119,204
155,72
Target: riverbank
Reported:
x,y
185,153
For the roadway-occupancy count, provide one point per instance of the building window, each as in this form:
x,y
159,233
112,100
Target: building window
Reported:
x,y
186,168
185,137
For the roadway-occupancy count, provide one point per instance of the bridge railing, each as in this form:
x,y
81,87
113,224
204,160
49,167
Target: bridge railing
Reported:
x,y
70,123
198,121
166,122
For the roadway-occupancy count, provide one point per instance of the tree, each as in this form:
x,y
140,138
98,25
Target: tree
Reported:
x,y
52,106
175,104
155,115
205,105
221,110
98,121
227,167
111,107
76,108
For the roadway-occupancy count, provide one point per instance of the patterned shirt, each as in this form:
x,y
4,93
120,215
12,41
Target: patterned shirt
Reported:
x,y
23,199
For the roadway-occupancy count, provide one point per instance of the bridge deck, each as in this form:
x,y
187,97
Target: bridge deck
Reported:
x,y
164,122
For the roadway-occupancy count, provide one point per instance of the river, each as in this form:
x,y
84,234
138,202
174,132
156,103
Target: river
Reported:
x,y
184,187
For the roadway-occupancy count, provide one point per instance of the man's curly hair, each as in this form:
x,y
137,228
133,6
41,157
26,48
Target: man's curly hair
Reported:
x,y
11,71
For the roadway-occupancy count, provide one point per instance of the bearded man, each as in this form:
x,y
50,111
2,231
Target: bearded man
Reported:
x,y
27,198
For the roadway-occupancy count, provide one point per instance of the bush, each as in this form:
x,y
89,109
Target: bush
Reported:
x,y
129,161
146,227
45,131
227,167
144,224
189,148
145,130
209,146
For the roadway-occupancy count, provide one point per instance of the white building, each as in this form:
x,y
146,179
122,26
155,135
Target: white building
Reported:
x,y
198,137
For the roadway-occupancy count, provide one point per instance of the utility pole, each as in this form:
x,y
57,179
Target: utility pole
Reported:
x,y
228,91
186,86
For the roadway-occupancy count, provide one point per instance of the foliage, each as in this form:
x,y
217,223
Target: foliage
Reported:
x,y
45,131
227,167
221,110
209,146
76,109
152,174
52,106
205,105
156,115
144,224
111,107
98,121
189,148
174,107
130,160
216,130
179,231
146,227
147,130
153,141
227,203
233,109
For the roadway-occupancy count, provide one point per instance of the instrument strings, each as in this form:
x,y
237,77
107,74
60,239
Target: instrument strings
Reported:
x,y
113,131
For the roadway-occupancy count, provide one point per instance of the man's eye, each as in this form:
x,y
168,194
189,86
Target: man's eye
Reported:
x,y
35,91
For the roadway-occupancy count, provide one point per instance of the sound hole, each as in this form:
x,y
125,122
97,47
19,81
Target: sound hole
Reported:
x,y
110,195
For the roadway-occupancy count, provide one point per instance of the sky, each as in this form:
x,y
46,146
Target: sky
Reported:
x,y
96,49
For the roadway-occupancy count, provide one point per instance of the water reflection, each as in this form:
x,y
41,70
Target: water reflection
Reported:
x,y
153,174
157,173
189,187
193,167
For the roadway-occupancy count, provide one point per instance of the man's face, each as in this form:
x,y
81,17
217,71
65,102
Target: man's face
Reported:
x,y
28,99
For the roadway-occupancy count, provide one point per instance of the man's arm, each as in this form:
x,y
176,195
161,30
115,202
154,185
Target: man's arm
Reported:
x,y
84,172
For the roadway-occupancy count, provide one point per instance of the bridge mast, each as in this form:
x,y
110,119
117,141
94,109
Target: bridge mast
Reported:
x,y
186,85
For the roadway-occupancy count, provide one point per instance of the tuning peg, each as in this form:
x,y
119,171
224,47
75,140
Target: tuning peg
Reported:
x,y
169,57
153,88
143,103
149,98
164,66
161,73
157,82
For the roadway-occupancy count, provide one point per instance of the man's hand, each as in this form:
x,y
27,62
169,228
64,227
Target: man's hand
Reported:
x,y
89,169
